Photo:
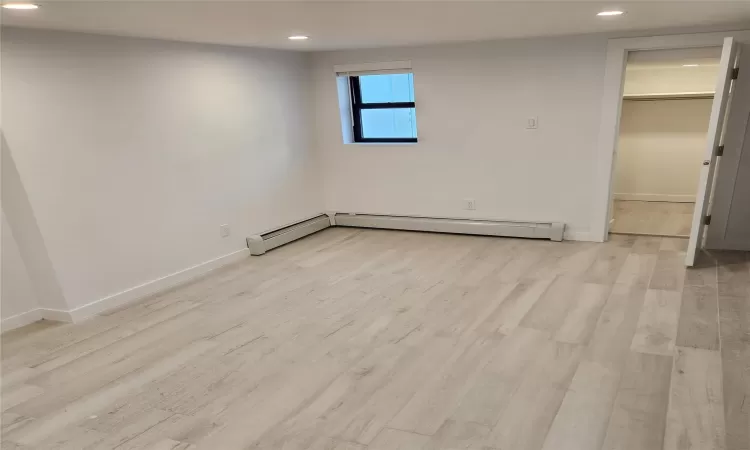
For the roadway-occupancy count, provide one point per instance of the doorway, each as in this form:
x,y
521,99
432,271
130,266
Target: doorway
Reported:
x,y
617,56
666,107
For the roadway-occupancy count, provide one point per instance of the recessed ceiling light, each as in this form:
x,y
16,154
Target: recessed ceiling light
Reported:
x,y
20,6
298,38
610,13
690,65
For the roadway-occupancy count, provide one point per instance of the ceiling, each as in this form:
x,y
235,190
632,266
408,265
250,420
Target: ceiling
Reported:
x,y
361,24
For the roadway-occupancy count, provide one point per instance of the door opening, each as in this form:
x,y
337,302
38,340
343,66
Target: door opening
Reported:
x,y
617,55
666,106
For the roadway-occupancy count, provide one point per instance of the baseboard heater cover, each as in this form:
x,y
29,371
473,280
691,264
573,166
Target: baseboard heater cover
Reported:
x,y
543,230
259,244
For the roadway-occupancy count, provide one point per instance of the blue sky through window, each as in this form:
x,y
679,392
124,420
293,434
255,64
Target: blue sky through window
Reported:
x,y
389,123
397,87
393,122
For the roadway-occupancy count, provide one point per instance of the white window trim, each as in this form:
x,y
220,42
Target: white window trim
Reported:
x,y
372,68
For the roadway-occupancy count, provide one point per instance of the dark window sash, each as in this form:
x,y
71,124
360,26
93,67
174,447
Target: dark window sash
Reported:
x,y
356,111
393,105
386,140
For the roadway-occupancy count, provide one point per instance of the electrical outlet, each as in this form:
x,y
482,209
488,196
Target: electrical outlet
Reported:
x,y
532,123
470,204
224,230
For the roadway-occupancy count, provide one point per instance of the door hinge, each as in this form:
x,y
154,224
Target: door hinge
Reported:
x,y
707,220
735,73
720,150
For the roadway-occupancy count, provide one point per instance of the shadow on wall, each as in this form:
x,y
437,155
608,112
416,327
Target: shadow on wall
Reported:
x,y
31,246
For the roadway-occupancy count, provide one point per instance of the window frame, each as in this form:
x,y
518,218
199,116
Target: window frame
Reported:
x,y
358,106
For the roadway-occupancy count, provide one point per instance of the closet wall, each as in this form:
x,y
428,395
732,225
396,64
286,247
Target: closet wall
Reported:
x,y
661,147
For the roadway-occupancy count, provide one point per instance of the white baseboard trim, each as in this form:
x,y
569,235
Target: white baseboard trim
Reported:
x,y
579,235
152,287
656,198
124,297
56,315
20,320
728,245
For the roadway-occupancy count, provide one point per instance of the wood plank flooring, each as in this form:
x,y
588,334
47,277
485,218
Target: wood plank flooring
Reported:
x,y
652,218
370,339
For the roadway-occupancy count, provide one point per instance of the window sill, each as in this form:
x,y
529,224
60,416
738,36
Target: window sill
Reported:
x,y
390,144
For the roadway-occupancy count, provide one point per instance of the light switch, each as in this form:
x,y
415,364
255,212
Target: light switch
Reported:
x,y
532,123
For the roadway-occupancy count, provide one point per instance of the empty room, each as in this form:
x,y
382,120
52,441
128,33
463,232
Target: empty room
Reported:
x,y
368,225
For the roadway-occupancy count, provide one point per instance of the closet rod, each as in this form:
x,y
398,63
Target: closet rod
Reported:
x,y
682,96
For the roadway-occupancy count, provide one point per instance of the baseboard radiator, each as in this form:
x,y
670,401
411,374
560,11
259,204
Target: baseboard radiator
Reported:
x,y
262,243
544,230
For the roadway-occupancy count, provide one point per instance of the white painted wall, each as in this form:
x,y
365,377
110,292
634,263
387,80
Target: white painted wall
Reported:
x,y
738,223
133,152
661,148
473,101
18,296
730,214
21,221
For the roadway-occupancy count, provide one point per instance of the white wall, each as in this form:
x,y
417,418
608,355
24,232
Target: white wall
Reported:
x,y
730,214
738,221
661,148
18,296
473,101
133,152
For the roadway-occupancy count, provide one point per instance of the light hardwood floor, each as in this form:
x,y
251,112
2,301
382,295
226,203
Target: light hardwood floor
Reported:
x,y
652,218
366,339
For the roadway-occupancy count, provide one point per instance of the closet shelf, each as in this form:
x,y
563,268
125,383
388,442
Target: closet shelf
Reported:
x,y
669,96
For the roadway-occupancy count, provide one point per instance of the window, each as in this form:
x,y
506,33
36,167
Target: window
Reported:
x,y
383,108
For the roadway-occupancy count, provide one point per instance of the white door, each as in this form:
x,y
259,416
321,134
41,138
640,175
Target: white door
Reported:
x,y
730,215
715,128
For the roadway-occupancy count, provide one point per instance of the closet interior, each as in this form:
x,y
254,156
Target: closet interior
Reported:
x,y
667,101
